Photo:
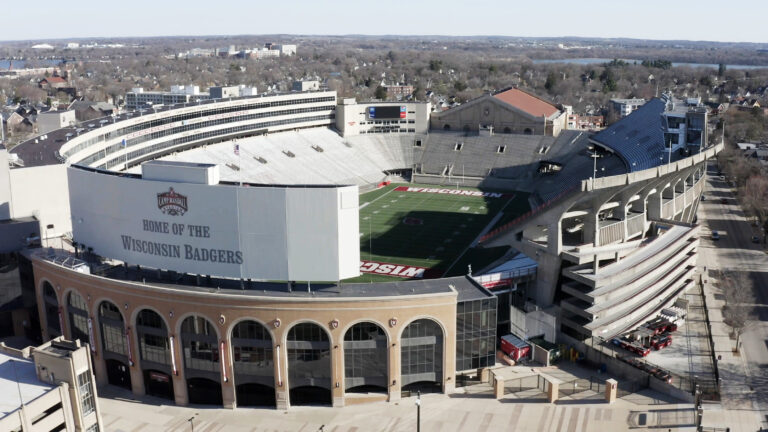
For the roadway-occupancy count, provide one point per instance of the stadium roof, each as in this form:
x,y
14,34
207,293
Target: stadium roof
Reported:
x,y
526,102
638,138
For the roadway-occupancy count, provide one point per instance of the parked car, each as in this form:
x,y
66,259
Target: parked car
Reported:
x,y
755,239
715,235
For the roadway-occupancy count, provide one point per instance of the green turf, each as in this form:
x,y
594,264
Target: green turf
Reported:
x,y
449,224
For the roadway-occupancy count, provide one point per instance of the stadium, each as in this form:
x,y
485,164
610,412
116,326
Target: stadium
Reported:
x,y
294,248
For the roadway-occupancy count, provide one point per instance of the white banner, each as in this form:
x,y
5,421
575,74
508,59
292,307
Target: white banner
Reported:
x,y
272,233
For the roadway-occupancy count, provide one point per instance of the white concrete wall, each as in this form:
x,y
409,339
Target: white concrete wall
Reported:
x,y
42,192
5,186
275,233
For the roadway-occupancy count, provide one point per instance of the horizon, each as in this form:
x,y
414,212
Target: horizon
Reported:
x,y
655,20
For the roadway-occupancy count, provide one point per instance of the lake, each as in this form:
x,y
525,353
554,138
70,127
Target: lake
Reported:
x,y
589,61
19,64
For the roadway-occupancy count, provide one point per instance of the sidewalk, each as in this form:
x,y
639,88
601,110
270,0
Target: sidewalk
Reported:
x,y
646,410
737,408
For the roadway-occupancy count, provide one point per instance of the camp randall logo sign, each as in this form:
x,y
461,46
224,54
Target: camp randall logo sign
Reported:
x,y
172,203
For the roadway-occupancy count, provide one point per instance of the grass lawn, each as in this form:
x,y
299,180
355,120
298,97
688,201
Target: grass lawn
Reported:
x,y
428,230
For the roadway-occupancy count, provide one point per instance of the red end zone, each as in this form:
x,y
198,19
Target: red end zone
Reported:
x,y
458,192
389,269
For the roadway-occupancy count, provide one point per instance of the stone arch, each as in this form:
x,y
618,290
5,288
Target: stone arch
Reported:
x,y
422,355
52,312
252,347
114,343
308,353
366,357
77,314
152,334
199,340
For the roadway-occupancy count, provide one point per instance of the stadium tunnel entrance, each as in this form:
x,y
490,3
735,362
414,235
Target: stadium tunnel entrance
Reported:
x,y
158,384
118,373
365,359
155,354
204,391
253,364
421,357
309,365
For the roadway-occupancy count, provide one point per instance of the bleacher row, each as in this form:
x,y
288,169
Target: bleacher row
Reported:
x,y
502,155
309,156
321,156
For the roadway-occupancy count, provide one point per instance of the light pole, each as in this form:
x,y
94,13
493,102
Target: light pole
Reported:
x,y
418,411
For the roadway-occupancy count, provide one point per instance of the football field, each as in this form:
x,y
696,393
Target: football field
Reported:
x,y
427,227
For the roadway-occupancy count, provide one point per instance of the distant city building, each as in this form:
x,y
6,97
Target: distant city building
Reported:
x,y
57,388
398,91
306,85
625,107
353,118
53,82
138,98
231,91
44,46
89,110
286,50
52,120
73,45
260,53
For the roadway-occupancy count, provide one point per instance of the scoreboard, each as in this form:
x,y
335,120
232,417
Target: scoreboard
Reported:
x,y
388,112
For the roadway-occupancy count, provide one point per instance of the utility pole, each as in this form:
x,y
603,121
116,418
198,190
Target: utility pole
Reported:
x,y
418,411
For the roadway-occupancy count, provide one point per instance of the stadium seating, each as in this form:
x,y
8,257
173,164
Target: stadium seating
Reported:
x,y
309,156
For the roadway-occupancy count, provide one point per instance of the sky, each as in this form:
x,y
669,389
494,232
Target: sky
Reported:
x,y
712,20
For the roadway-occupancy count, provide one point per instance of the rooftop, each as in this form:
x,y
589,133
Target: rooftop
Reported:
x,y
526,102
639,138
37,152
464,286
19,370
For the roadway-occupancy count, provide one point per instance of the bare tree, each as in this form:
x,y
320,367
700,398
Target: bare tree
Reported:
x,y
755,196
739,307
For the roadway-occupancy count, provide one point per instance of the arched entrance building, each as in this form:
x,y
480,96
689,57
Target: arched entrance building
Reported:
x,y
260,347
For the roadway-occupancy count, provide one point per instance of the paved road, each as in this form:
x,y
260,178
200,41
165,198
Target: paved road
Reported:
x,y
736,252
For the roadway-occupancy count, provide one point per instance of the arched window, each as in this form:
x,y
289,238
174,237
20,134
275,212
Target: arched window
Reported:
x,y
112,329
155,352
253,364
199,341
421,355
199,344
365,358
52,320
309,364
78,317
153,338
